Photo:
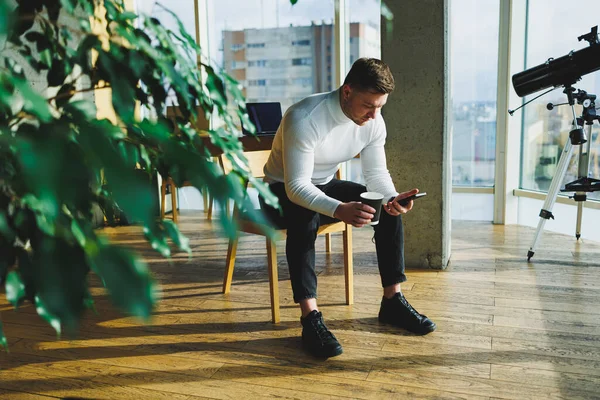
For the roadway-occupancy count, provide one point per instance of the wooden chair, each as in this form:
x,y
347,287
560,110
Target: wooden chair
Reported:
x,y
202,124
174,215
207,199
257,160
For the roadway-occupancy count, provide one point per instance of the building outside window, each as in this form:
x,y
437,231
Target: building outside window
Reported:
x,y
546,132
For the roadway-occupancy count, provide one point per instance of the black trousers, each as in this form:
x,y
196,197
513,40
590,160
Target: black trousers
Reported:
x,y
302,225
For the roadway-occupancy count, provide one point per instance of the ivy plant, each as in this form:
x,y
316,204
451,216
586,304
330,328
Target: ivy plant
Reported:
x,y
59,160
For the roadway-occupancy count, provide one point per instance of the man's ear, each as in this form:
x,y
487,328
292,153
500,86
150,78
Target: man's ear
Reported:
x,y
346,91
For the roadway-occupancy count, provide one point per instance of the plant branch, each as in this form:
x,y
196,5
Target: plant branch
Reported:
x,y
74,92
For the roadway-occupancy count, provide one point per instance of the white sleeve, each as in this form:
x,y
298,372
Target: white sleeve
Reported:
x,y
374,166
299,140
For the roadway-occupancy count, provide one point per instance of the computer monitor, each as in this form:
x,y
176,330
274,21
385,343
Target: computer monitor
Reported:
x,y
266,117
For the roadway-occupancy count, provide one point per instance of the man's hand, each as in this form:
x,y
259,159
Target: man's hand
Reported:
x,y
354,213
394,208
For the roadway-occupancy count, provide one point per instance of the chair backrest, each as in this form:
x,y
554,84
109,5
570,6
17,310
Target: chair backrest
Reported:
x,y
256,162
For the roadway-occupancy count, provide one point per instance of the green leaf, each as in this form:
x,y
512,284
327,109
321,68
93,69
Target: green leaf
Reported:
x,y
178,238
145,157
127,15
60,269
58,72
3,340
81,109
42,310
216,87
127,279
23,23
15,288
78,233
247,123
86,44
69,5
89,303
129,153
157,240
7,18
65,93
7,259
53,7
46,58
41,41
263,190
14,67
34,103
112,12
5,230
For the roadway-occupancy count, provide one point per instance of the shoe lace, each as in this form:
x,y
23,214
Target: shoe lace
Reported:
x,y
410,308
321,330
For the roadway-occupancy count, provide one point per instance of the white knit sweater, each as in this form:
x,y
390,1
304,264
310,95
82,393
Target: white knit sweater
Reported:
x,y
314,137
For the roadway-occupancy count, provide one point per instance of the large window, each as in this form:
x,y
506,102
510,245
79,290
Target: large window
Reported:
x,y
474,66
552,30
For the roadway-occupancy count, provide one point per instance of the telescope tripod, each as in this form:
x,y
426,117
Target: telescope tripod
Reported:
x,y
584,184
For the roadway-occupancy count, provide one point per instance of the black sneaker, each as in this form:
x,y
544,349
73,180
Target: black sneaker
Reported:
x,y
317,339
397,311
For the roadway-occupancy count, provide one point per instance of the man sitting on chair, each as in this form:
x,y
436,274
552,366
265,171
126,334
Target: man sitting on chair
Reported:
x,y
315,136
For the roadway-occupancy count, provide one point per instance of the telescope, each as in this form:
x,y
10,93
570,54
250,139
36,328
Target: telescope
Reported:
x,y
562,71
566,71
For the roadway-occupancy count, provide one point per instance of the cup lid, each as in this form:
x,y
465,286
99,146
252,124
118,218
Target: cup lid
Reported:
x,y
371,195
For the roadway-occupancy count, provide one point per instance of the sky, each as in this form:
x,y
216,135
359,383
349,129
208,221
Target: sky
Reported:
x,y
554,26
553,32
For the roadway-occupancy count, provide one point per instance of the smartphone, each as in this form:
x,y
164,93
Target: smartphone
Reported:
x,y
404,202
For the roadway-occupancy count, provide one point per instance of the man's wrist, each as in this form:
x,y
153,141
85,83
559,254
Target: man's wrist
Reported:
x,y
337,209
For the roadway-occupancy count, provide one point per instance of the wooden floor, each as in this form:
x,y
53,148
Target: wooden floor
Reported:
x,y
506,328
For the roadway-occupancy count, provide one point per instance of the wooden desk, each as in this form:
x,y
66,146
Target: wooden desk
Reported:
x,y
249,143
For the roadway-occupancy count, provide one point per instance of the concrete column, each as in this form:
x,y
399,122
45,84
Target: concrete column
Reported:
x,y
417,117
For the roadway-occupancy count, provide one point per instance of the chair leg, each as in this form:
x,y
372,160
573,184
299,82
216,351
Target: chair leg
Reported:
x,y
205,200
163,197
328,242
174,201
211,201
348,265
273,280
231,252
